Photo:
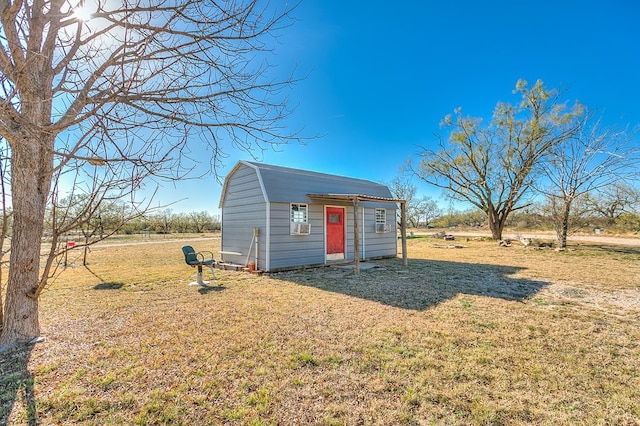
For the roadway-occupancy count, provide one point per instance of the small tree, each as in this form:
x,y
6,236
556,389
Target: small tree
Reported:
x,y
612,201
493,167
200,221
593,159
181,222
564,222
402,189
424,211
164,221
94,218
629,221
94,208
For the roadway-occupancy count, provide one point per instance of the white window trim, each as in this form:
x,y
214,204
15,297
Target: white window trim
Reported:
x,y
299,225
305,219
381,226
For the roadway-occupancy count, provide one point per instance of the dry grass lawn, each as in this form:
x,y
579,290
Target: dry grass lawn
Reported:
x,y
471,336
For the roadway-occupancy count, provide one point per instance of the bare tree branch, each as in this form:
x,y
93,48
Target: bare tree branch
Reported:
x,y
120,101
593,159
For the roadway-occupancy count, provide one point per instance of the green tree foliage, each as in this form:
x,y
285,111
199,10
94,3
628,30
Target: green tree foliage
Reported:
x,y
628,222
493,166
202,222
467,218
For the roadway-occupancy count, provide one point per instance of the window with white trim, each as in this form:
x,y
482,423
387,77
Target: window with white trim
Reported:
x,y
381,221
299,219
298,212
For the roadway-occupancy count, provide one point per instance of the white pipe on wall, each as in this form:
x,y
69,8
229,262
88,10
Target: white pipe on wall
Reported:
x,y
256,235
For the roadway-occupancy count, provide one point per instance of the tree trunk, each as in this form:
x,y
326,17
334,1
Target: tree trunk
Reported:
x,y
563,227
496,224
32,161
1,300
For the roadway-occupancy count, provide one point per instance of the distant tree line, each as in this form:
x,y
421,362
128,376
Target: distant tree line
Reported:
x,y
168,222
535,219
117,218
614,208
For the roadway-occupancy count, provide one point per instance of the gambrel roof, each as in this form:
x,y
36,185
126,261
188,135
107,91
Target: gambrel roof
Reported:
x,y
285,184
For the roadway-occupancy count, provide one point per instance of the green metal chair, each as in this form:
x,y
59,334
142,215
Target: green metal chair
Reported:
x,y
198,260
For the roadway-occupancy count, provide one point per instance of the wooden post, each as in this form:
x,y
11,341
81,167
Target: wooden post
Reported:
x,y
356,238
403,231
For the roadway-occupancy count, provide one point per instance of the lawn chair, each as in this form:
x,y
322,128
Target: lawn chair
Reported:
x,y
198,259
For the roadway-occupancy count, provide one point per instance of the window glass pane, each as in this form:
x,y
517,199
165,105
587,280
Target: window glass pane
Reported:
x,y
334,218
298,212
381,216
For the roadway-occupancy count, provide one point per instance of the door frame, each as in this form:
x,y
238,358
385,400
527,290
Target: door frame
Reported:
x,y
335,256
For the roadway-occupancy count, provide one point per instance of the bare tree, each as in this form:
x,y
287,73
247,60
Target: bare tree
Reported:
x,y
402,189
613,201
564,222
418,210
593,159
200,221
423,211
493,167
94,216
122,91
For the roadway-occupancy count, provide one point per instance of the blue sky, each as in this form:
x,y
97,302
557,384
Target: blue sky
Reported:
x,y
381,75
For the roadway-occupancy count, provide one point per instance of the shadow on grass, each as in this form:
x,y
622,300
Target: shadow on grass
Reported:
x,y
94,274
423,284
210,288
108,286
16,384
634,250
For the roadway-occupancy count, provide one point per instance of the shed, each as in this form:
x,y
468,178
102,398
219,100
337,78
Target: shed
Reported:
x,y
281,218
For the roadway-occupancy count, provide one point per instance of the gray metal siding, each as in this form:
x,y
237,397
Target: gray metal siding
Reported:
x,y
295,250
243,209
379,244
289,251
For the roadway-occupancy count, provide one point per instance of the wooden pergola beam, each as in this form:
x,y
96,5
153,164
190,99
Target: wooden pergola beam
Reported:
x,y
356,238
403,231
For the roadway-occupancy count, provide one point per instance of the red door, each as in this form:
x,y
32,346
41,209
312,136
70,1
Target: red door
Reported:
x,y
335,233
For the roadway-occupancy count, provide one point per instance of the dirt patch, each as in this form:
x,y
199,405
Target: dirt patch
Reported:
x,y
621,302
602,239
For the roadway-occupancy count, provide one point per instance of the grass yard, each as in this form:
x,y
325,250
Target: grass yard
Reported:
x,y
471,336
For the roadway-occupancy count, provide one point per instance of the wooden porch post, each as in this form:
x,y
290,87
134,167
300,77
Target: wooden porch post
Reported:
x,y
403,231
356,238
